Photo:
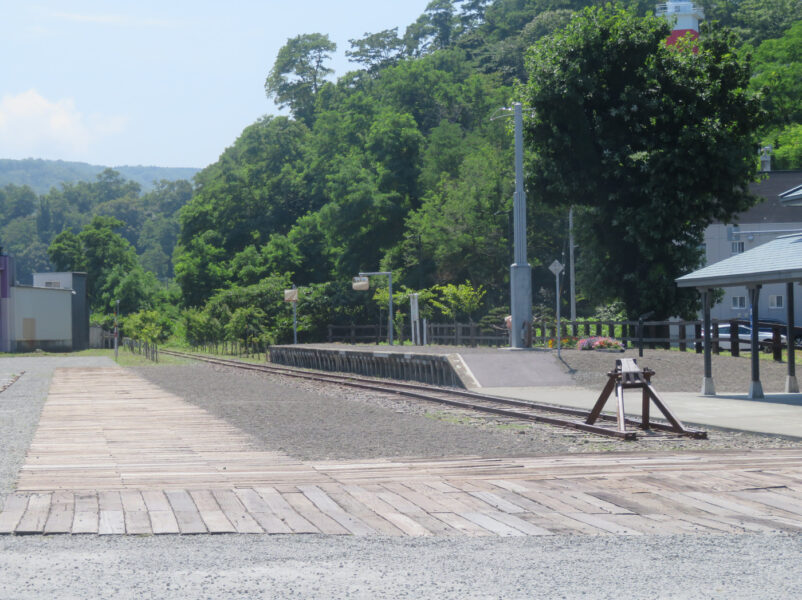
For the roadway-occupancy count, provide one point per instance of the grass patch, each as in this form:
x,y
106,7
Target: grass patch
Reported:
x,y
124,359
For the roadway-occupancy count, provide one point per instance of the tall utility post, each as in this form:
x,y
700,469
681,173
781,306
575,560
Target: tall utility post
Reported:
x,y
571,262
520,271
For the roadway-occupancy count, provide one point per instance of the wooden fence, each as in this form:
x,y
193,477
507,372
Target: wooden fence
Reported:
x,y
147,349
682,335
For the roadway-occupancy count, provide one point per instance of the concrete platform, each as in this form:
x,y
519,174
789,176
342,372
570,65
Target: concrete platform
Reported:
x,y
776,414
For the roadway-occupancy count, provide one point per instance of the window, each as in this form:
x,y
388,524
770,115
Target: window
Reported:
x,y
737,247
52,284
775,301
739,302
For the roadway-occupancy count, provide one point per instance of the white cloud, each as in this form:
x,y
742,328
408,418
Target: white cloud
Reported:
x,y
33,126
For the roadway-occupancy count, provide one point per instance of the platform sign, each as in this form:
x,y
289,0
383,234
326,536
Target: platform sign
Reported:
x,y
291,295
360,284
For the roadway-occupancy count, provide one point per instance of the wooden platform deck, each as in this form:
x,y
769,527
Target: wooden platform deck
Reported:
x,y
114,454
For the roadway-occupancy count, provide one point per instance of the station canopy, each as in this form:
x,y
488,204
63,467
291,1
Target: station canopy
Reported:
x,y
777,261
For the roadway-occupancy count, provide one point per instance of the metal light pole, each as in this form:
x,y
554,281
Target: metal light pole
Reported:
x,y
389,275
520,271
557,268
116,331
295,318
571,263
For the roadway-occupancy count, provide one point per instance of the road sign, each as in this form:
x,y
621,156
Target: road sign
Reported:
x,y
360,284
555,267
291,295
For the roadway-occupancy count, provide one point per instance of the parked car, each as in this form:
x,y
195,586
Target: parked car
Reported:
x,y
765,337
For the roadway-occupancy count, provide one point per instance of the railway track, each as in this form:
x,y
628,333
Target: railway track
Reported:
x,y
507,407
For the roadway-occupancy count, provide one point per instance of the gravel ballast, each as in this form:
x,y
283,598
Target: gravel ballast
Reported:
x,y
316,421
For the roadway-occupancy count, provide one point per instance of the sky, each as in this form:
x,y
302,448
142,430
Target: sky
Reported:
x,y
169,83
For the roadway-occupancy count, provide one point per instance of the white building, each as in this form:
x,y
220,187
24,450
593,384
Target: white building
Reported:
x,y
50,315
760,224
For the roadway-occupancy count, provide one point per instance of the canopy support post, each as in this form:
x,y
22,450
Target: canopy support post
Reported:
x,y
791,385
708,387
755,387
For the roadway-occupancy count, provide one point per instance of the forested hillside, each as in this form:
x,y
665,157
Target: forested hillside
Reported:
x,y
402,165
41,175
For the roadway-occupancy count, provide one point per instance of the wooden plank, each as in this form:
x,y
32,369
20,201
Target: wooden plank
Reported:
x,y
163,522
62,512
185,512
311,513
35,517
14,507
282,509
365,514
604,523
331,509
401,522
788,504
486,521
520,524
111,522
498,502
461,524
235,512
261,512
87,516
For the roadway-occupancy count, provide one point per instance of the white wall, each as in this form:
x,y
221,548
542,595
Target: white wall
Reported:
x,y
719,245
51,313
62,279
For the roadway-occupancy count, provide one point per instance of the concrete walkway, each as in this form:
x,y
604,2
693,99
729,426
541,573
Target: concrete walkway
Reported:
x,y
777,414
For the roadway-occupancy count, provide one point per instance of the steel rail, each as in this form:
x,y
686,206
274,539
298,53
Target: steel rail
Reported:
x,y
480,402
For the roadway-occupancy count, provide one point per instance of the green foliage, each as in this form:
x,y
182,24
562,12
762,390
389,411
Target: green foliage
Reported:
x,y
657,142
299,72
456,300
788,148
778,71
148,325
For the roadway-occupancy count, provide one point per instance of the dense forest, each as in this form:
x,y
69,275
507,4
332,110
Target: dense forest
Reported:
x,y
42,175
405,164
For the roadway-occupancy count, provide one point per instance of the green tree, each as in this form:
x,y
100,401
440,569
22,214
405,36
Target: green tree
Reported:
x,y
658,142
299,72
376,51
788,154
778,70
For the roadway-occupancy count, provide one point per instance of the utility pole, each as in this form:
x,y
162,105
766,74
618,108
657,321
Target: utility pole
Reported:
x,y
116,330
520,271
571,261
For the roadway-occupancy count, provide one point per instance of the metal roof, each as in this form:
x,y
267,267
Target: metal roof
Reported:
x,y
792,197
777,261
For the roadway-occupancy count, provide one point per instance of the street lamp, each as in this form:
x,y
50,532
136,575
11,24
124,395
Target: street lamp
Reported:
x,y
389,275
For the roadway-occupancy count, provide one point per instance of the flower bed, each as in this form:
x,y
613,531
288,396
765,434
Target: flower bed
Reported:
x,y
600,343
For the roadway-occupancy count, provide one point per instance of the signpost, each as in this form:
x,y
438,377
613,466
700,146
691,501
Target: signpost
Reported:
x,y
292,296
414,318
557,268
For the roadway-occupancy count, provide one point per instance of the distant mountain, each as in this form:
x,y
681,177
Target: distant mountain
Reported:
x,y
41,175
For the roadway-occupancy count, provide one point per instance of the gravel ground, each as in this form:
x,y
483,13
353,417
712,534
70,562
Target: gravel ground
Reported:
x,y
247,567
314,421
677,371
